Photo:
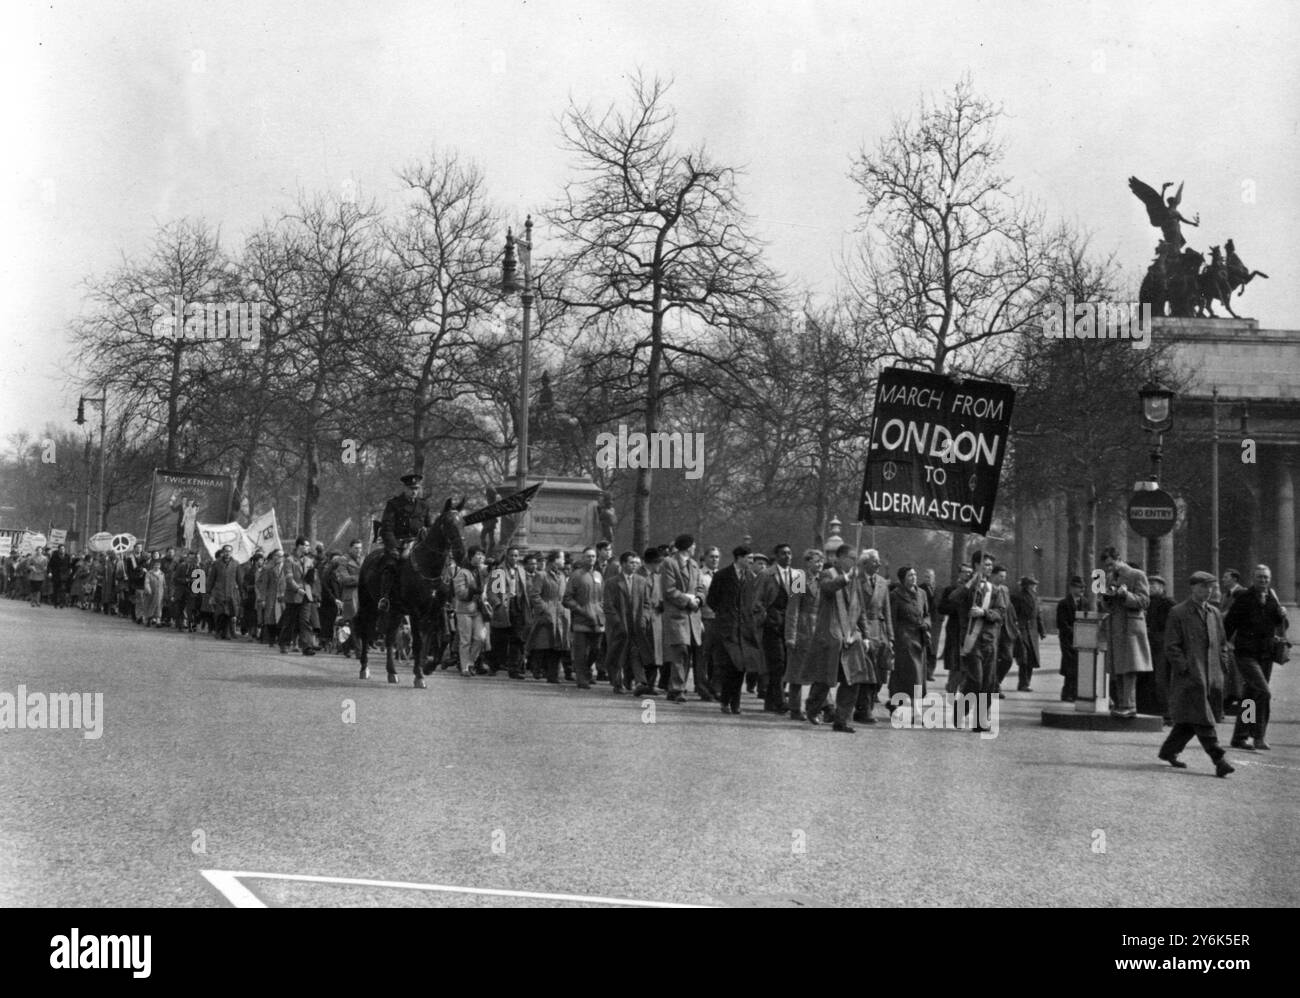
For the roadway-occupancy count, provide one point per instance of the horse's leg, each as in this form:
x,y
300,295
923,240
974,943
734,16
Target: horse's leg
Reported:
x,y
391,623
361,640
417,651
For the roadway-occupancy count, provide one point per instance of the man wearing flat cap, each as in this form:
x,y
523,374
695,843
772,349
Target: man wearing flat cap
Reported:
x,y
405,515
1029,620
1196,649
1066,610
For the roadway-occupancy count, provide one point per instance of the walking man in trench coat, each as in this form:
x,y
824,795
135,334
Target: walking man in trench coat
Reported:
x,y
1196,650
733,598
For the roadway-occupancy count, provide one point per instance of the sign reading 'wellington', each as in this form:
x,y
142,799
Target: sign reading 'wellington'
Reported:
x,y
936,451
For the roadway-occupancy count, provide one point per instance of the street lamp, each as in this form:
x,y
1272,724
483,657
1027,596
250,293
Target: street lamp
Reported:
x,y
1157,419
510,284
102,402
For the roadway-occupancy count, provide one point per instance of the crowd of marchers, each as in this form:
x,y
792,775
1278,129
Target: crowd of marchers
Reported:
x,y
819,641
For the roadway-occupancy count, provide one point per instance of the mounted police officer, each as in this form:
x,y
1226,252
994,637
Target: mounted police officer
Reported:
x,y
406,517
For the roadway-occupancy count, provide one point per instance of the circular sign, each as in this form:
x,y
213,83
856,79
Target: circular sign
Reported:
x,y
101,542
1152,513
122,543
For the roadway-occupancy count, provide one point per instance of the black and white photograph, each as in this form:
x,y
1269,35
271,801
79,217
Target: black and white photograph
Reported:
x,y
575,454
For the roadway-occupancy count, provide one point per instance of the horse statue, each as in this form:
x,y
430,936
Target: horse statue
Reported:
x,y
1214,285
1173,279
422,591
1239,275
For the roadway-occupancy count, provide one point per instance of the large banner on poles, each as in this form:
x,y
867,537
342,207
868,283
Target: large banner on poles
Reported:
x,y
178,501
936,451
260,535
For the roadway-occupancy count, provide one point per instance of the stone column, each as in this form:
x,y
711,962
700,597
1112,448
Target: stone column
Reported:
x,y
1284,567
1250,480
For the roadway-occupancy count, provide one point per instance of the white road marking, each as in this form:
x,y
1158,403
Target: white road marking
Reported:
x,y
228,883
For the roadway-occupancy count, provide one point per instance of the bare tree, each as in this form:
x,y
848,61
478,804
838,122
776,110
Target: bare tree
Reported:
x,y
952,261
129,342
437,293
810,412
654,230
336,256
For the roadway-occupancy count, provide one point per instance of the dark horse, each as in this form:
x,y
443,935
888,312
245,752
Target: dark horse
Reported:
x,y
421,591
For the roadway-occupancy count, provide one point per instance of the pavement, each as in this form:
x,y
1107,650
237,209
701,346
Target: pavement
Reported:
x,y
229,758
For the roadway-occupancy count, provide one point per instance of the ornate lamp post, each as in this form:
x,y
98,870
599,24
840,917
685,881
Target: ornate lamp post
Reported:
x,y
510,284
834,540
1157,419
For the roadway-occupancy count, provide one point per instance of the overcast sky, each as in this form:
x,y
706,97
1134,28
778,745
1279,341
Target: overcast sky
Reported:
x,y
126,115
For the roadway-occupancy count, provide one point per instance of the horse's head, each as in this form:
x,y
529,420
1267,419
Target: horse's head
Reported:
x,y
1216,256
445,535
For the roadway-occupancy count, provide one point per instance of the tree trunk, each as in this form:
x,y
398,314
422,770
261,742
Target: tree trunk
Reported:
x,y
1090,545
312,496
1073,539
174,390
645,475
1019,513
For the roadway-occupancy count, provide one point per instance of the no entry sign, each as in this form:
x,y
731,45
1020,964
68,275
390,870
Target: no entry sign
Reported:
x,y
1152,513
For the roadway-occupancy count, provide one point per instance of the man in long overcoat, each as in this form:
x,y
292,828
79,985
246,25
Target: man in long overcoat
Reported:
x,y
800,623
774,585
1066,611
841,642
583,598
1196,649
952,634
629,628
733,597
683,590
879,658
225,594
1124,631
1029,620
981,610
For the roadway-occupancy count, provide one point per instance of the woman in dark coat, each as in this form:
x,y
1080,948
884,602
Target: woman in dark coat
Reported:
x,y
911,616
